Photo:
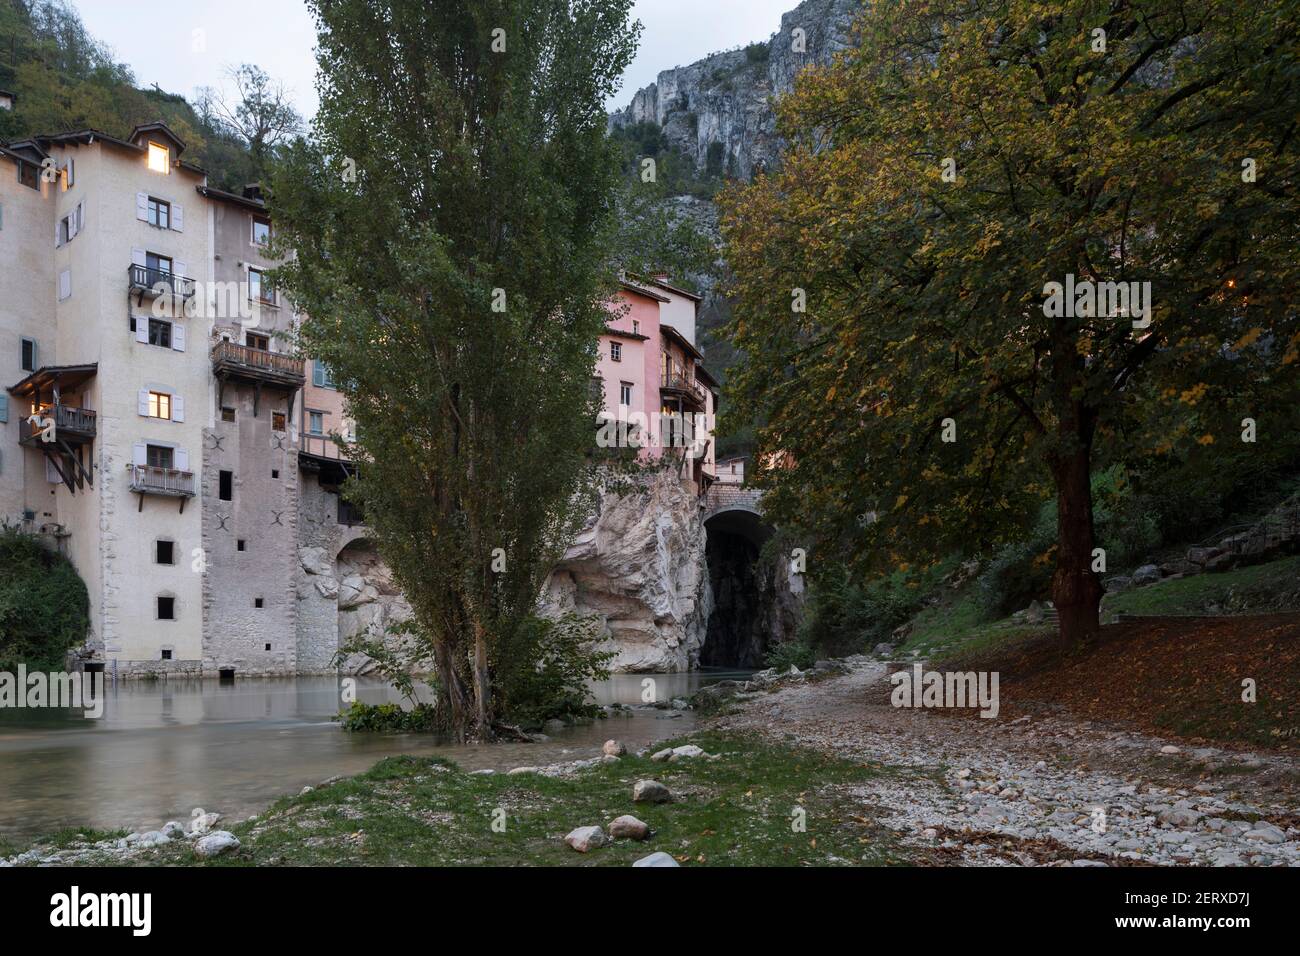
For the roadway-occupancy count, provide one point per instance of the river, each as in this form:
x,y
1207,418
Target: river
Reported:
x,y
163,748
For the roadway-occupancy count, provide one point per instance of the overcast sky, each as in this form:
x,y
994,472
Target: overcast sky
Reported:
x,y
186,44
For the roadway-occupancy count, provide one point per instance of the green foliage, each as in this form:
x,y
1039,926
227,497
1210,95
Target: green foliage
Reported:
x,y
846,616
790,654
457,284
544,670
388,718
757,53
925,297
44,606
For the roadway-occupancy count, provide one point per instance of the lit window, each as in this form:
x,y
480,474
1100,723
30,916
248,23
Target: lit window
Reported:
x,y
159,158
160,405
277,421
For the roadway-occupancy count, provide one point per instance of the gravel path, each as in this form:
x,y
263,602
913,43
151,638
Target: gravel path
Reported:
x,y
1039,790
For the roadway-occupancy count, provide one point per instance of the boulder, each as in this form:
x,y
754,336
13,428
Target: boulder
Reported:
x,y
327,587
650,791
315,560
1119,582
201,822
657,859
1266,833
1221,562
1179,568
686,752
1147,574
1199,556
614,748
173,830
660,756
215,844
586,839
628,827
883,650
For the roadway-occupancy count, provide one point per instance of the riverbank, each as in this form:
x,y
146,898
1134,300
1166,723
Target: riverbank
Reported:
x,y
745,801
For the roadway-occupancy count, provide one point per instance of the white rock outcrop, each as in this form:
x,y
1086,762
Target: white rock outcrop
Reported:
x,y
638,567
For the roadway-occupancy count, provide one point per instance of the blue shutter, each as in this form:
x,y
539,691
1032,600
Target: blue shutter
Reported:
x,y
317,374
4,408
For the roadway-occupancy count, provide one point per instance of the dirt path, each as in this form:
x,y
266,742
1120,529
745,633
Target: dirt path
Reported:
x,y
1039,789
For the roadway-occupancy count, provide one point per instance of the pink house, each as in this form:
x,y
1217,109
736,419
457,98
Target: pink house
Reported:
x,y
652,376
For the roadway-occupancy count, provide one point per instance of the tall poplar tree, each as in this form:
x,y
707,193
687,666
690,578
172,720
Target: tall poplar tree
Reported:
x,y
448,219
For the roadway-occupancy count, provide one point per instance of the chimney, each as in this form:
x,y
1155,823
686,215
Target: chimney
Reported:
x,y
253,191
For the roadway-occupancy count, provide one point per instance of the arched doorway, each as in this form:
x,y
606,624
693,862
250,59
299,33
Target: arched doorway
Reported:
x,y
737,635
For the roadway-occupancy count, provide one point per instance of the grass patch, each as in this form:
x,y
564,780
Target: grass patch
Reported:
x,y
62,839
733,811
960,625
1261,587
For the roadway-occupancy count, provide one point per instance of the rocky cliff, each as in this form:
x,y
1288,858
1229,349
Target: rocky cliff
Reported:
x,y
638,567
725,98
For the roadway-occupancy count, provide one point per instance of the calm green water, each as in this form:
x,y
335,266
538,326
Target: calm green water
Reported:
x,y
163,748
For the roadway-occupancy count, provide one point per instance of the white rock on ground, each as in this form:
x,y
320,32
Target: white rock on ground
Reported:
x,y
614,748
215,844
657,859
628,827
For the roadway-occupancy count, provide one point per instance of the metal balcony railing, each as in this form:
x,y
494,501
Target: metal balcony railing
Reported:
x,y
153,480
159,281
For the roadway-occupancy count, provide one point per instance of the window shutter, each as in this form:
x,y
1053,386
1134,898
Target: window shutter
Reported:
x,y
58,234
4,408
180,268
51,474
81,217
317,374
178,217
65,284
138,257
140,454
142,397
142,206
178,408
72,173
142,329
178,337
181,458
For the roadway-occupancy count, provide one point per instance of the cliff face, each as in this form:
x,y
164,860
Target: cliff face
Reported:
x,y
638,567
726,98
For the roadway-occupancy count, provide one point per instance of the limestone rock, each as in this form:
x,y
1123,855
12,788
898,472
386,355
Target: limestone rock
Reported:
x,y
614,748
657,859
1147,574
315,560
215,844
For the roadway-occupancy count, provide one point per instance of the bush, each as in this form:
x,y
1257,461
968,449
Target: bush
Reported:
x,y
543,671
44,607
845,617
389,718
792,653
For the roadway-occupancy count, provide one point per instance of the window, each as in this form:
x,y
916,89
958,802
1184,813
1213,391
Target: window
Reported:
x,y
636,327
255,341
160,333
160,158
159,213
316,422
321,375
167,654
616,351
157,264
29,355
277,421
239,544
29,175
226,485
164,552
257,602
268,647
227,414
275,472
159,456
259,287
166,612
625,393
261,231
160,403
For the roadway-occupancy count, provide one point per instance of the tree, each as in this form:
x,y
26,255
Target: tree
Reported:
x,y
258,112
448,223
954,163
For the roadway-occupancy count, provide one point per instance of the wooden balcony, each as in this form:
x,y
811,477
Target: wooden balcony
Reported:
x,y
258,366
74,426
165,482
676,383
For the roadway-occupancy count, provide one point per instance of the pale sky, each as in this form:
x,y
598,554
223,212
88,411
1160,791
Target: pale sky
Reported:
x,y
191,43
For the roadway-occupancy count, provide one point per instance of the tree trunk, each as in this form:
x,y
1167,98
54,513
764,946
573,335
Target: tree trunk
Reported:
x,y
451,693
482,685
1076,591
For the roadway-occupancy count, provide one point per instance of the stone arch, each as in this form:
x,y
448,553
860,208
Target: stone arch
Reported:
x,y
738,632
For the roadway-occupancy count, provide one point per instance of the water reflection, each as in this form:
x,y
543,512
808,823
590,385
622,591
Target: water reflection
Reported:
x,y
163,748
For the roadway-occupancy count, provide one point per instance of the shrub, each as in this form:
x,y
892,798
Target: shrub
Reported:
x,y
844,616
388,718
791,653
543,670
44,607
